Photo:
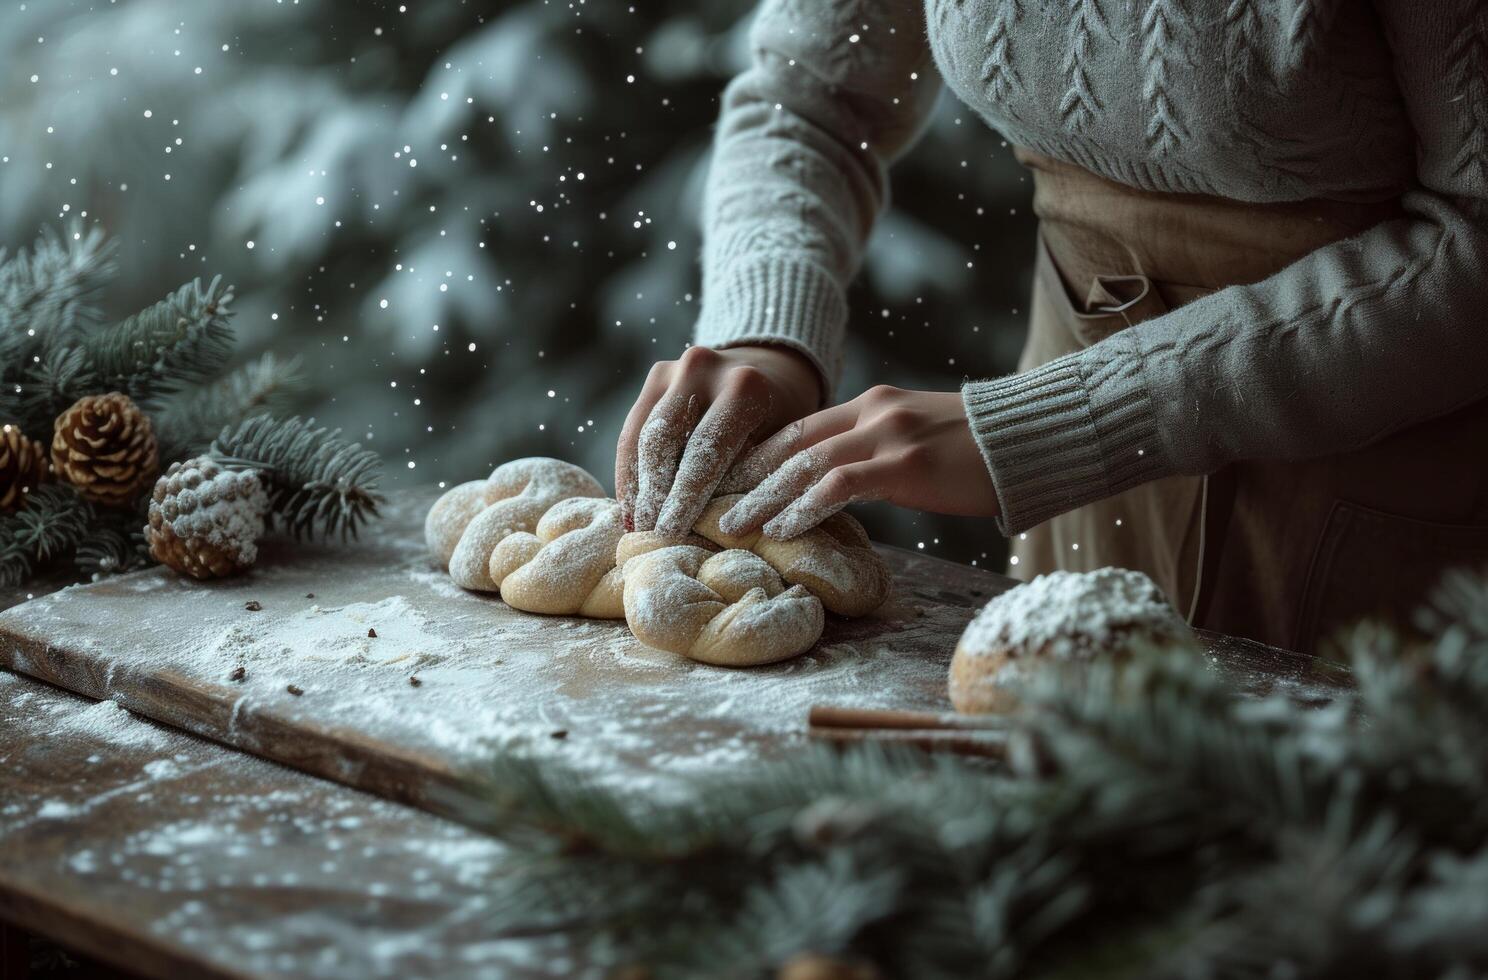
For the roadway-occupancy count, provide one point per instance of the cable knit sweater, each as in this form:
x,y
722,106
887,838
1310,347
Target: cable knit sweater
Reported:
x,y
1256,100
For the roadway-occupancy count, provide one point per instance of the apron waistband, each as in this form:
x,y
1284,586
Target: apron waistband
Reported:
x,y
1109,239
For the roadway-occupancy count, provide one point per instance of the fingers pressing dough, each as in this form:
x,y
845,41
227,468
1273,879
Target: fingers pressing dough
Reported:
x,y
834,560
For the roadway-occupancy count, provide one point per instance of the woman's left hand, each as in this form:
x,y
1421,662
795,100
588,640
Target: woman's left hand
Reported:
x,y
911,448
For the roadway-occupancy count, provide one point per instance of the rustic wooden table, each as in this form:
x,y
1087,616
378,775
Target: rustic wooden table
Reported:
x,y
170,855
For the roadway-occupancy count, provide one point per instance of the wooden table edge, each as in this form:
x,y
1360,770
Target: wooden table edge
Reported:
x,y
94,936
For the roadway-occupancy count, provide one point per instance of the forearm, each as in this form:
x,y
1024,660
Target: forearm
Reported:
x,y
798,173
1355,341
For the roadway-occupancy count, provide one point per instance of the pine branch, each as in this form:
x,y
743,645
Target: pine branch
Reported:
x,y
183,339
315,479
60,377
46,302
188,424
113,548
50,290
48,527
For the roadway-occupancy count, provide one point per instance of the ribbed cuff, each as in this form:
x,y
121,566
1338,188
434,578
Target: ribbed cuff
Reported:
x,y
1065,434
781,301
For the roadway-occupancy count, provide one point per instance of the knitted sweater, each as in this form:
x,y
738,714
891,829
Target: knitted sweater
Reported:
x,y
1255,100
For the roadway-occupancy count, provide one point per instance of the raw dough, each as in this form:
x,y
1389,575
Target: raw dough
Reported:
x,y
466,524
834,560
1068,616
733,608
542,533
728,608
568,567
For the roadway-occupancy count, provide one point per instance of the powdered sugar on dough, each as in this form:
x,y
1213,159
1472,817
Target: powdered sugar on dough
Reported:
x,y
729,608
1071,614
564,568
516,495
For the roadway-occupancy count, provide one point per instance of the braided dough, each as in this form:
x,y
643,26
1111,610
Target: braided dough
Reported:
x,y
568,567
734,608
467,524
834,560
728,608
542,533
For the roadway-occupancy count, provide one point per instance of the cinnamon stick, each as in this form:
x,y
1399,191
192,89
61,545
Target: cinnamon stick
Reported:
x,y
833,716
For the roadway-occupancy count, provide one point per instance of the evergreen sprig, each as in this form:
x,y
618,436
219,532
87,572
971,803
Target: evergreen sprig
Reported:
x,y
189,423
184,338
52,287
53,522
316,480
1151,825
47,297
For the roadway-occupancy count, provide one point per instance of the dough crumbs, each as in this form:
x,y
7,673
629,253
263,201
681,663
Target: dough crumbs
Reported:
x,y
1071,615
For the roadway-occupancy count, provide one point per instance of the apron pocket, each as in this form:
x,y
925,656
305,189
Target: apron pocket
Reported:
x,y
1372,564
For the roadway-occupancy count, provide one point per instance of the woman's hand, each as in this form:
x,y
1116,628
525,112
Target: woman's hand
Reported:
x,y
912,448
693,418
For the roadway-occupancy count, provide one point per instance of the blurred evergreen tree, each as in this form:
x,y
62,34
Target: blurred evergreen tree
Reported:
x,y
451,208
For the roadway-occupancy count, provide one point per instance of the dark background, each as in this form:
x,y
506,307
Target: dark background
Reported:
x,y
409,176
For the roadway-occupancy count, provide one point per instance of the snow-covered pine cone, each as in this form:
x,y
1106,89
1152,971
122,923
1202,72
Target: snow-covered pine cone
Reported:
x,y
105,447
23,466
205,521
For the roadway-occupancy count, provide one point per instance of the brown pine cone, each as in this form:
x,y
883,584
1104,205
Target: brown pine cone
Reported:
x,y
105,446
23,466
205,521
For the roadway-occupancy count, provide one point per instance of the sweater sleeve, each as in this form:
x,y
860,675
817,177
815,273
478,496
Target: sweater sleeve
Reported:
x,y
1357,340
835,90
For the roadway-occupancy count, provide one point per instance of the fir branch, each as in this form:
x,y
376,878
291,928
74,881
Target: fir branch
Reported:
x,y
50,290
58,378
110,550
183,339
315,479
188,424
49,526
46,301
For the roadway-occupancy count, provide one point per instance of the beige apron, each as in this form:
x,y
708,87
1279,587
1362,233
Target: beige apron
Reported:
x,y
1283,552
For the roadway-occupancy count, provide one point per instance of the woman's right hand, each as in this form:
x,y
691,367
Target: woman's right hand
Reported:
x,y
693,418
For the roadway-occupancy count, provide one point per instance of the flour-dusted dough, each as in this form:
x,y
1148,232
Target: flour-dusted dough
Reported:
x,y
568,566
1062,616
835,560
542,533
466,524
727,608
754,602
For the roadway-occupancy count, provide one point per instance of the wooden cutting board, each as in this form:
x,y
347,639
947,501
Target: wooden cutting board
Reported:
x,y
489,678
451,678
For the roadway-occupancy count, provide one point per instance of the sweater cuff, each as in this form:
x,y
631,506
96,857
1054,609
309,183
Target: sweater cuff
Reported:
x,y
1067,433
793,304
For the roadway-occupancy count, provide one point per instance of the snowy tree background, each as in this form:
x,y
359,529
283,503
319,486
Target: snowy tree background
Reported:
x,y
475,222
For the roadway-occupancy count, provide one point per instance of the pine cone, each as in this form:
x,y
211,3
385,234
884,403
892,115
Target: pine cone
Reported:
x,y
105,446
205,521
23,466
